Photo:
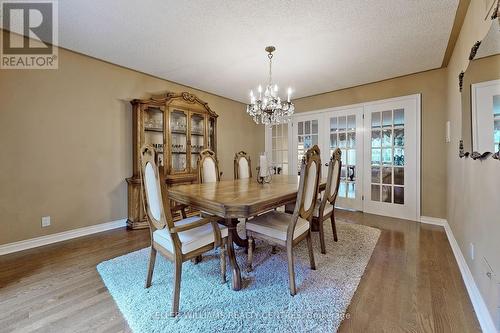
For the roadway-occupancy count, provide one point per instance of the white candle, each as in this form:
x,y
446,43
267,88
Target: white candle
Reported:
x,y
289,93
263,166
260,92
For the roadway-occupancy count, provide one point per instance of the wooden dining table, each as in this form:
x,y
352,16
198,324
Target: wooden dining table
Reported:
x,y
235,199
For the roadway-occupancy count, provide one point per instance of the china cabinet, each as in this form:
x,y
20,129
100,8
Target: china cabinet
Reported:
x,y
179,126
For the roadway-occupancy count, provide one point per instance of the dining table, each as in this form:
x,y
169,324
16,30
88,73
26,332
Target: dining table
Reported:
x,y
232,200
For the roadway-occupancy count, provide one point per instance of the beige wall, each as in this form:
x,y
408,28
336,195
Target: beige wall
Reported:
x,y
473,186
65,142
432,86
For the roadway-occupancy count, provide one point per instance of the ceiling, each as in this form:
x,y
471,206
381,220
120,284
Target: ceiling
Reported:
x,y
218,46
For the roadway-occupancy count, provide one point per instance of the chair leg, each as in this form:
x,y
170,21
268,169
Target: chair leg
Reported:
x,y
334,228
322,237
310,249
151,266
250,253
197,259
273,250
223,260
291,271
177,287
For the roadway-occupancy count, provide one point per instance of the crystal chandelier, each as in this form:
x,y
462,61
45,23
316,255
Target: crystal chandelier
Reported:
x,y
268,108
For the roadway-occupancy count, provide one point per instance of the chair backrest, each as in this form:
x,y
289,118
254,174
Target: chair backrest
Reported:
x,y
309,183
208,167
154,196
242,166
333,179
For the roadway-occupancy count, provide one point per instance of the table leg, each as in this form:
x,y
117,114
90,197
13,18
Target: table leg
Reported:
x,y
236,275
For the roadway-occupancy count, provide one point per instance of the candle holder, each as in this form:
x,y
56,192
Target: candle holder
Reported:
x,y
263,180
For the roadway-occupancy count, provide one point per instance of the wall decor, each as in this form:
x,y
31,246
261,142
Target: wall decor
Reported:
x,y
479,85
461,152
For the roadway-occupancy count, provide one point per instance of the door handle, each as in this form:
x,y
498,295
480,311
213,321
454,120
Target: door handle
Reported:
x,y
326,164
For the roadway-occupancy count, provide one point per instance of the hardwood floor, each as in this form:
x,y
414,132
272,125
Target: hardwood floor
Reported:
x,y
412,283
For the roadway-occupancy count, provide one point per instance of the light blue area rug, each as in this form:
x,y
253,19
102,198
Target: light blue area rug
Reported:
x,y
263,305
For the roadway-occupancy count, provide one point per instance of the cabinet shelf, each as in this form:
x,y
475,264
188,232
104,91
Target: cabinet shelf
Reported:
x,y
197,133
178,132
149,129
178,152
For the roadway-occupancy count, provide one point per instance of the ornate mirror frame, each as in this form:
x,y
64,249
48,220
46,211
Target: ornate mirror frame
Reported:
x,y
465,98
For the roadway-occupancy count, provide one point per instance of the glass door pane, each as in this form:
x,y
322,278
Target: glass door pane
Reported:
x,y
279,148
344,128
211,134
153,130
388,156
307,137
178,142
197,138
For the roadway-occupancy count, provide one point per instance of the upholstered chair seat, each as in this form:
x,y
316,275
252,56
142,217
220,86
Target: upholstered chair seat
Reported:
x,y
275,224
192,239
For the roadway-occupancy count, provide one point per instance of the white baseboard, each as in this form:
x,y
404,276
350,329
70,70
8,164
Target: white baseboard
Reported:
x,y
483,315
433,220
60,236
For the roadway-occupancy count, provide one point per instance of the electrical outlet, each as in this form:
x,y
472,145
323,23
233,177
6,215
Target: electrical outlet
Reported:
x,y
45,221
472,251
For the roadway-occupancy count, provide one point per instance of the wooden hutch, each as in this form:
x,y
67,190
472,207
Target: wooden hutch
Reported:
x,y
179,126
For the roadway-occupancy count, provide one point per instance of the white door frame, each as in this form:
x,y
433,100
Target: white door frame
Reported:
x,y
310,114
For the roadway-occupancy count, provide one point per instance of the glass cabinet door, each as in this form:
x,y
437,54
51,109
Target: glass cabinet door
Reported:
x,y
197,139
178,142
211,134
153,130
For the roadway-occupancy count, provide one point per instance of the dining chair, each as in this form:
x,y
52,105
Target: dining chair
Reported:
x,y
242,165
180,241
288,230
208,167
325,205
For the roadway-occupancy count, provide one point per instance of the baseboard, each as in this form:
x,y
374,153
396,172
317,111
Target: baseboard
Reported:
x,y
483,315
60,236
433,220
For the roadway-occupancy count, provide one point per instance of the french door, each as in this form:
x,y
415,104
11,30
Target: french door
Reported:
x,y
380,153
342,129
391,158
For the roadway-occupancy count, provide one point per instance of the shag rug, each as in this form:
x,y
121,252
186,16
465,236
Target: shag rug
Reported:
x,y
262,305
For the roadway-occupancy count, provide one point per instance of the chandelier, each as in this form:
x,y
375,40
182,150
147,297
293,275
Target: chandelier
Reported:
x,y
268,108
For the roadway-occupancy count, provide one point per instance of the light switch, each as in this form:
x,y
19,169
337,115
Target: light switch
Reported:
x,y
45,221
448,132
